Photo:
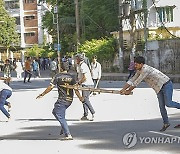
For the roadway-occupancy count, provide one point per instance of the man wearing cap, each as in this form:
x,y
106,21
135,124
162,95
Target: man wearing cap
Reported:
x,y
85,80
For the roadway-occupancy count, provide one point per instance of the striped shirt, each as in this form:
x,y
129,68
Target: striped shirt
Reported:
x,y
153,77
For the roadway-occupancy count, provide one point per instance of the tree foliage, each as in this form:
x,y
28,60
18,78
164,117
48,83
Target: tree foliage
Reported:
x,y
100,17
97,19
8,35
103,48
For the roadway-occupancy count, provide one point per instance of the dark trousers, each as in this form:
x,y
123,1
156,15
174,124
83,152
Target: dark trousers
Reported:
x,y
27,73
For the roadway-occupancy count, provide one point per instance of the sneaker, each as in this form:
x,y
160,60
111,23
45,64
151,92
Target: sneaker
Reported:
x,y
69,137
84,118
92,119
9,107
177,126
165,126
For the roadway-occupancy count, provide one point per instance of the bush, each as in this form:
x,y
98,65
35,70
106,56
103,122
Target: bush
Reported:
x,y
104,48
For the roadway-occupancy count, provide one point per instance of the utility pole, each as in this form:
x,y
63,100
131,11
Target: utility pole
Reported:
x,y
58,38
77,24
145,25
121,48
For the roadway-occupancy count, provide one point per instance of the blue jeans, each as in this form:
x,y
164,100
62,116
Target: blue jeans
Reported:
x,y
59,113
86,104
5,94
165,99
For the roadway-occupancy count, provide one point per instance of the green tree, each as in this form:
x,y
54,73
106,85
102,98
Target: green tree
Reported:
x,y
8,35
97,19
104,48
100,17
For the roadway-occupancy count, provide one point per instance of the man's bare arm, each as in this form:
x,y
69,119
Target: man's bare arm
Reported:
x,y
47,90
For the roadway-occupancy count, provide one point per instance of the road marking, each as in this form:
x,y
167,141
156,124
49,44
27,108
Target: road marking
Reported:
x,y
165,134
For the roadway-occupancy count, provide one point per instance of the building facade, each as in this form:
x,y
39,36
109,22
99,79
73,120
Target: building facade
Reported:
x,y
162,19
28,16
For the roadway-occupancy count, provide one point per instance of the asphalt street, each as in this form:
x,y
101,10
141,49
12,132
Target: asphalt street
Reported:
x,y
123,124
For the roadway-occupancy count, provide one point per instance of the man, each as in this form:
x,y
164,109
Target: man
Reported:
x,y
64,100
158,81
5,93
95,71
7,70
53,67
27,70
84,79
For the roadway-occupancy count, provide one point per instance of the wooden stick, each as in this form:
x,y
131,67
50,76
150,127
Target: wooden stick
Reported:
x,y
92,89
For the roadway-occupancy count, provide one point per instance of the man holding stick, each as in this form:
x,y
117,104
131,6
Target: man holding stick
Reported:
x,y
64,100
158,81
85,80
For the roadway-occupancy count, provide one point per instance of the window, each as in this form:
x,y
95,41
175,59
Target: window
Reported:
x,y
17,20
12,4
30,34
29,1
165,14
29,17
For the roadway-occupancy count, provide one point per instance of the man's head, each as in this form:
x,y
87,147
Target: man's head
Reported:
x,y
139,61
79,58
64,67
94,59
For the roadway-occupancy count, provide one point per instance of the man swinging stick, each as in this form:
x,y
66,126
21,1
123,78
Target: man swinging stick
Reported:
x,y
64,100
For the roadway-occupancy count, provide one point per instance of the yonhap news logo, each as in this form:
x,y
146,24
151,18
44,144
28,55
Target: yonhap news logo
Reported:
x,y
130,140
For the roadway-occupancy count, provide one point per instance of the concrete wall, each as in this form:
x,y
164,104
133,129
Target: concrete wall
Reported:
x,y
164,55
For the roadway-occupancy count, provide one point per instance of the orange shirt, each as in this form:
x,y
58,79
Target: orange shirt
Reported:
x,y
28,65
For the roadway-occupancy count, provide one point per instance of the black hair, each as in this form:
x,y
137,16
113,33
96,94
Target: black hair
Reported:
x,y
64,67
139,60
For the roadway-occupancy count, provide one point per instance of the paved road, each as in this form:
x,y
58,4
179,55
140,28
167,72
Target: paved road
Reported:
x,y
33,128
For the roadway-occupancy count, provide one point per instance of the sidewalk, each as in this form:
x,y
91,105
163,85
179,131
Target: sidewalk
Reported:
x,y
105,76
123,77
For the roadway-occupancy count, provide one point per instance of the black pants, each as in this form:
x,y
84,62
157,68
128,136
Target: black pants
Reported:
x,y
27,73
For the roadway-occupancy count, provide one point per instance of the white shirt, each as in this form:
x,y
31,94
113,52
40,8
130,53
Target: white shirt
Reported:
x,y
82,68
4,86
96,70
53,65
153,77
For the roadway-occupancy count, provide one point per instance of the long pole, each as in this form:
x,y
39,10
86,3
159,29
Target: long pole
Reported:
x,y
145,26
121,48
77,23
58,48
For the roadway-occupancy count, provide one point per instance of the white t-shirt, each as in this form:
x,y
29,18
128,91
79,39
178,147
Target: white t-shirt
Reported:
x,y
96,70
4,86
84,69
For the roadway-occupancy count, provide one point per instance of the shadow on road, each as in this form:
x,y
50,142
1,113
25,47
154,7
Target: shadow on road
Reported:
x,y
106,135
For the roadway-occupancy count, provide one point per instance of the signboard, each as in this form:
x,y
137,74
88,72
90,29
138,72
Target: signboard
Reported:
x,y
57,47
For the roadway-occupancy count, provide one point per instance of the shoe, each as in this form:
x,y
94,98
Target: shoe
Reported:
x,y
165,126
9,106
84,118
177,126
92,119
69,137
29,81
